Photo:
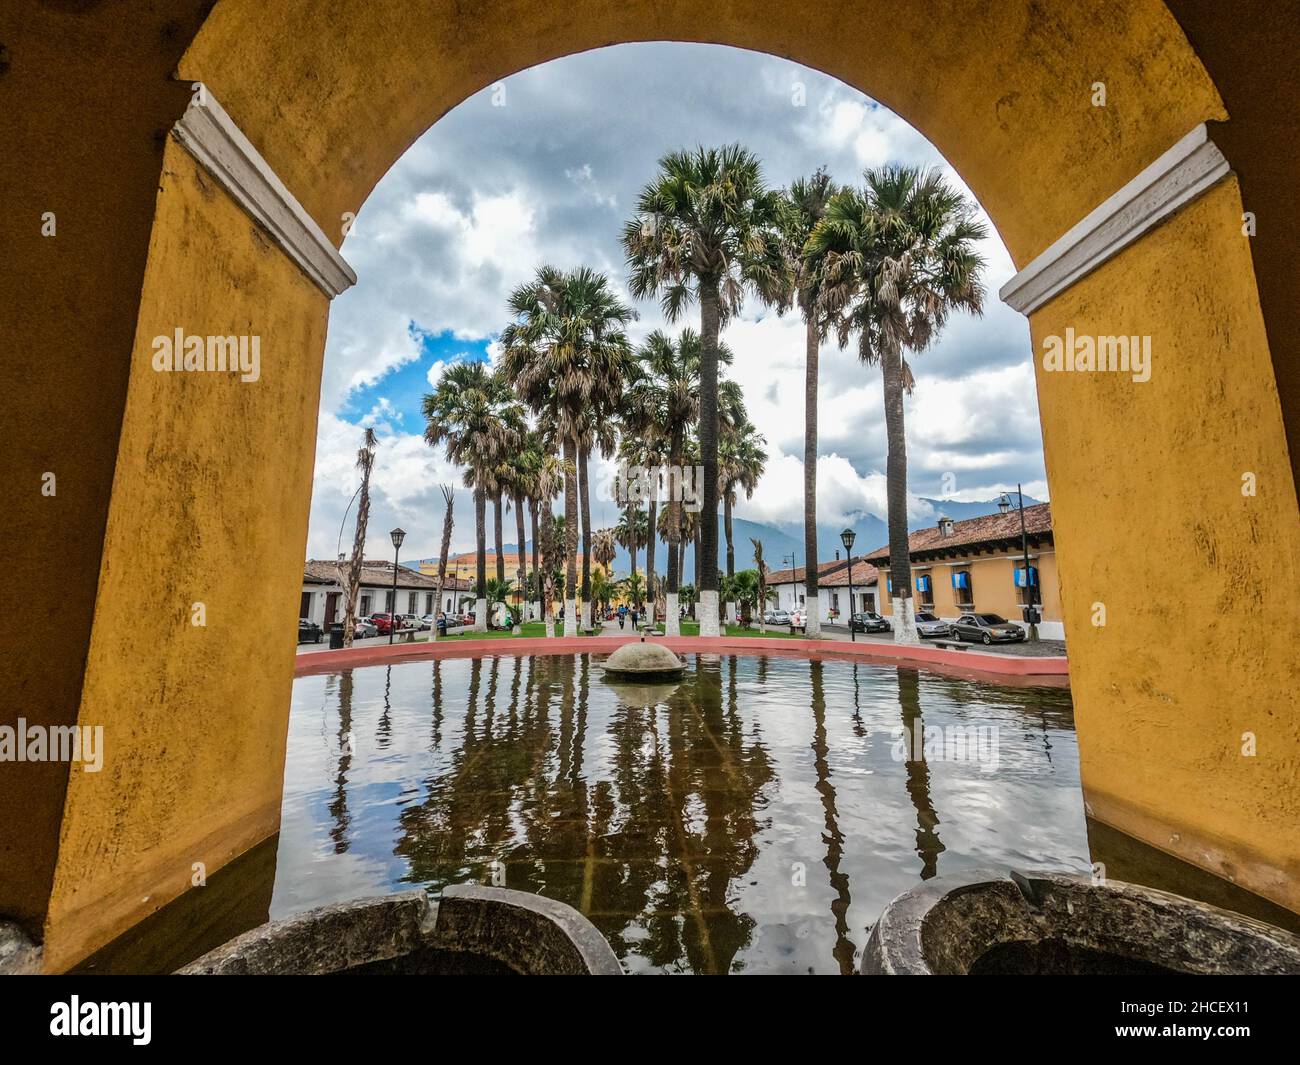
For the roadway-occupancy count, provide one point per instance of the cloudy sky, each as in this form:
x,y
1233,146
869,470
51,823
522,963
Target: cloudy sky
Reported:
x,y
544,168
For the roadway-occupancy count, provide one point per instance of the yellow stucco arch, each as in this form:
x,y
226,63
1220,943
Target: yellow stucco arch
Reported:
x,y
211,481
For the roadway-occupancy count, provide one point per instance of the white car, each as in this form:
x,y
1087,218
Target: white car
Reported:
x,y
427,622
363,628
928,624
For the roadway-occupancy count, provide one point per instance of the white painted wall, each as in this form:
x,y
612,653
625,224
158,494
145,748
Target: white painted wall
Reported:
x,y
378,600
790,597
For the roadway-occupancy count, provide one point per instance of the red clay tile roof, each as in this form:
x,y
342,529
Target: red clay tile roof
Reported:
x,y
864,575
829,574
783,576
972,531
380,574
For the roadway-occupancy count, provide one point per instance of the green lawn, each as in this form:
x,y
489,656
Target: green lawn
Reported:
x,y
528,629
692,628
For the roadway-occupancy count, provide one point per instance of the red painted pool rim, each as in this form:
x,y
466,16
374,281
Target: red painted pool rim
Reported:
x,y
966,662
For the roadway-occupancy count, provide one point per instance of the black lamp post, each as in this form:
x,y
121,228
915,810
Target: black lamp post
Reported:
x,y
846,538
1031,595
398,536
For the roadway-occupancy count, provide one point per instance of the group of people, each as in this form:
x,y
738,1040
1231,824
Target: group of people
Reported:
x,y
624,612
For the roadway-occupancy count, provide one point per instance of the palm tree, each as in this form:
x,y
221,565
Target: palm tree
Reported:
x,y
641,446
520,478
474,414
805,206
498,591
604,548
633,585
741,459
760,567
706,231
365,463
894,259
566,352
449,498
744,586
551,475
599,431
631,531
660,407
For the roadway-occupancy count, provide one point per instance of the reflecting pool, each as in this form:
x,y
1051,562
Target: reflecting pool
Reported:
x,y
755,817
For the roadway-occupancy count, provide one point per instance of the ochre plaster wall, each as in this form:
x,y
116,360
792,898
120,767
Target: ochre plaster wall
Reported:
x,y
210,501
1198,580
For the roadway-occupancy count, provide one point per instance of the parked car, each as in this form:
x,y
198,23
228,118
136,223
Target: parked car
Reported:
x,y
930,625
362,628
383,623
776,617
426,622
987,628
868,621
308,631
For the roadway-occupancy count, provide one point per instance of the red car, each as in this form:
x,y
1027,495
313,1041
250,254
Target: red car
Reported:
x,y
383,622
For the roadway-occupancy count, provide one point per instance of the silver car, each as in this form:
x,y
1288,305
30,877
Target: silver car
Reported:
x,y
364,627
931,625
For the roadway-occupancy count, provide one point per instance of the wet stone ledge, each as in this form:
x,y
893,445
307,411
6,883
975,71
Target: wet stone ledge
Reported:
x,y
471,930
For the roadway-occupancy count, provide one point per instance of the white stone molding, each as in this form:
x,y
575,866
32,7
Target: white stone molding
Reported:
x,y
220,147
1178,177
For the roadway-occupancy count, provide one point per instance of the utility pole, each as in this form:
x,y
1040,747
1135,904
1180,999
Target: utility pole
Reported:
x,y
1031,590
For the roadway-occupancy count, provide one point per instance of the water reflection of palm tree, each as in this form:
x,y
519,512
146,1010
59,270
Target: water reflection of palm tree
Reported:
x,y
928,845
654,847
338,808
834,838
384,728
437,703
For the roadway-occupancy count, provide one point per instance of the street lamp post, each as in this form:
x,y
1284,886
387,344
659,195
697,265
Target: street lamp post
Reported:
x,y
794,584
846,538
1031,595
398,536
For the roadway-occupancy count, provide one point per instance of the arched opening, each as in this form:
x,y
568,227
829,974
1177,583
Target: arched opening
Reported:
x,y
329,106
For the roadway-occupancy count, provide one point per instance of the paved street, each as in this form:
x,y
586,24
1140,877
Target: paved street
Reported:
x,y
1041,649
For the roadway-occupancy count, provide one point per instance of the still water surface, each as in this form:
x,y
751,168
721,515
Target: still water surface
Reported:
x,y
755,817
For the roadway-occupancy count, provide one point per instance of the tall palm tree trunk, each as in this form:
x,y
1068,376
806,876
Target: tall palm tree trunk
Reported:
x,y
496,530
696,606
358,556
631,526
900,569
586,538
672,611
651,535
813,616
706,585
480,559
537,572
731,552
448,496
570,537
523,553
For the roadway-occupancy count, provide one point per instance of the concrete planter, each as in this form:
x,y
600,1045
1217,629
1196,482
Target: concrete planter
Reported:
x,y
1051,923
470,930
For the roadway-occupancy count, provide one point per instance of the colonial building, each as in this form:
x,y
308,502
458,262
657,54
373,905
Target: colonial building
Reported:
x,y
324,595
978,566
832,589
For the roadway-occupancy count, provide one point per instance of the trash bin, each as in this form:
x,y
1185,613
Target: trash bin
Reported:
x,y
336,637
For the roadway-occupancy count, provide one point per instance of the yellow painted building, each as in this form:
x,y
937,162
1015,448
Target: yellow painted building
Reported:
x,y
978,566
